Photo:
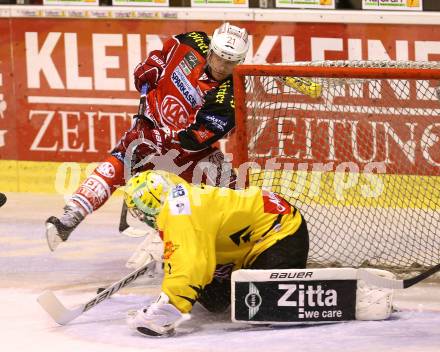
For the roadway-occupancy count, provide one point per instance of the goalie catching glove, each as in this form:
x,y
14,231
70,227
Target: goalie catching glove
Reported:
x,y
158,319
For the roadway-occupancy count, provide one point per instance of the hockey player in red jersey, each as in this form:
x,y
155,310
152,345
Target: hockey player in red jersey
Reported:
x,y
189,106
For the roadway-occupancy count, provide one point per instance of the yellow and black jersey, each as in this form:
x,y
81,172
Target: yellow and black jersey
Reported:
x,y
203,226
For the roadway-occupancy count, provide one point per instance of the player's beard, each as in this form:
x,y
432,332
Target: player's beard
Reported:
x,y
218,76
217,71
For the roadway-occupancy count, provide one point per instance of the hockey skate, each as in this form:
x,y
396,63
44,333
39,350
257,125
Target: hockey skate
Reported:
x,y
59,230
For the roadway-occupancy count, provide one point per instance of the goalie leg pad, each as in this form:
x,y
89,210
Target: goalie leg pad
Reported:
x,y
286,296
374,303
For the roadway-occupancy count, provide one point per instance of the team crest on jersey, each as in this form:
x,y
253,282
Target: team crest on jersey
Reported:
x,y
169,249
173,112
106,169
274,204
191,60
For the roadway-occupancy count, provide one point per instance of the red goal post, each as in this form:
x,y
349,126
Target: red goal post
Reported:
x,y
361,140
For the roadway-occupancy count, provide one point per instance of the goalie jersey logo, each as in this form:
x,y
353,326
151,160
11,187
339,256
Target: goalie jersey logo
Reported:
x,y
274,204
179,201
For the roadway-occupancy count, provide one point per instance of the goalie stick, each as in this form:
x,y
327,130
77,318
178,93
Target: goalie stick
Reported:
x,y
383,282
3,199
62,315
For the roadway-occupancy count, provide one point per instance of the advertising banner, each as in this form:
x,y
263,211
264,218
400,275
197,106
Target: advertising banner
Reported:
x,y
140,2
220,3
68,94
306,4
72,2
409,5
8,115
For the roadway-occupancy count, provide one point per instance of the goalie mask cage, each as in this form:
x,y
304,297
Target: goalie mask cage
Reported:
x,y
356,147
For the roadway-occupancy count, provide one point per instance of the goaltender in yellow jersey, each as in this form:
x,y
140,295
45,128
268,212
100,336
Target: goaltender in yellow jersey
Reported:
x,y
207,233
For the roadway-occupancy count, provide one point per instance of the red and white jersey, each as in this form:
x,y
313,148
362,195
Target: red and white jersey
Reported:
x,y
183,97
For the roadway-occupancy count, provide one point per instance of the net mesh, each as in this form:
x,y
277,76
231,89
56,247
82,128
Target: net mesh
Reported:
x,y
359,157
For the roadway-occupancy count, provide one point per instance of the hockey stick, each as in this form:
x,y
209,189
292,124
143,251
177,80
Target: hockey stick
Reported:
x,y
3,199
379,281
124,227
62,315
303,85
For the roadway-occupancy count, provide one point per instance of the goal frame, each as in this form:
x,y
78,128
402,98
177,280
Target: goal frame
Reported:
x,y
239,137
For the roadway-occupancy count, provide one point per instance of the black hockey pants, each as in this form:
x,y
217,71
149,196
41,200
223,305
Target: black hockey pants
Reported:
x,y
289,253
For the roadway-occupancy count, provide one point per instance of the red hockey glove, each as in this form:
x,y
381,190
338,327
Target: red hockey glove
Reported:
x,y
148,71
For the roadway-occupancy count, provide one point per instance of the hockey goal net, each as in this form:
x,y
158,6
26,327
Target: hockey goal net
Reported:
x,y
356,147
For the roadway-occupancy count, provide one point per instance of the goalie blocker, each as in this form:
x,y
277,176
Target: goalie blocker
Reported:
x,y
307,295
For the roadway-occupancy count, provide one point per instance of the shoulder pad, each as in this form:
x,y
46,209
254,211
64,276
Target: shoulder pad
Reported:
x,y
196,40
223,95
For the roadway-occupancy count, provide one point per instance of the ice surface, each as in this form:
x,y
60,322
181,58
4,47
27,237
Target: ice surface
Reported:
x,y
95,256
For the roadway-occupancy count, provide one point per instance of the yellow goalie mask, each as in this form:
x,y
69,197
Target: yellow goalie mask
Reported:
x,y
145,194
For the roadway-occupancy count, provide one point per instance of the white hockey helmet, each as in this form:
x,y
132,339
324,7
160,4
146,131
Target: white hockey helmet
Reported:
x,y
230,42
